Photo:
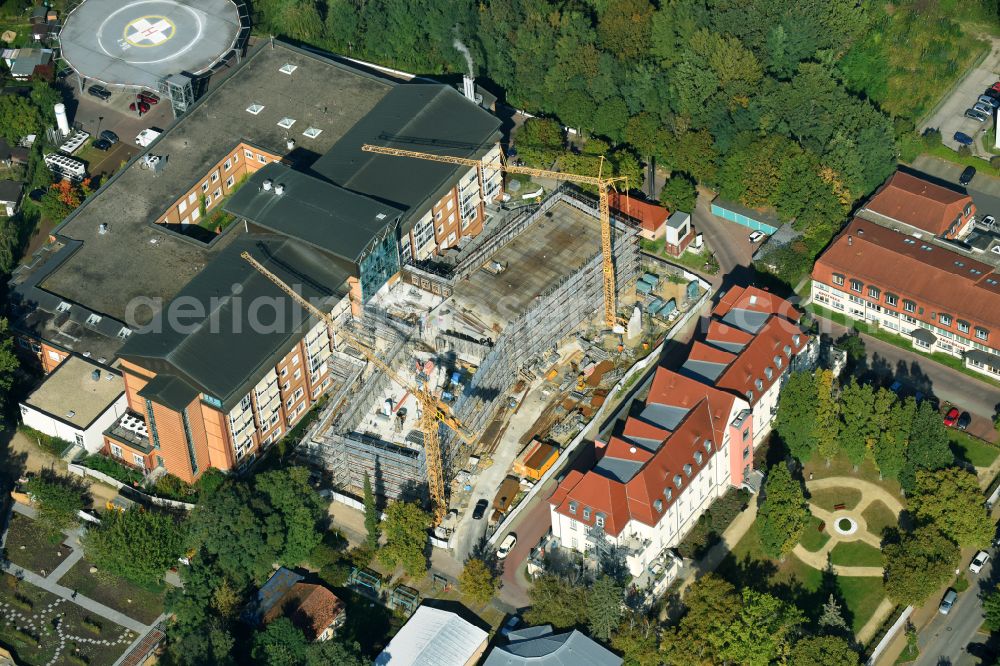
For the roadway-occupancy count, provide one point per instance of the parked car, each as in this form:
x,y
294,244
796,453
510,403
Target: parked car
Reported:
x,y
141,107
948,601
109,136
100,92
755,236
989,101
148,98
147,136
996,86
995,94
951,417
978,116
964,421
981,558
480,510
510,625
967,175
506,546
988,222
102,144
983,108
963,138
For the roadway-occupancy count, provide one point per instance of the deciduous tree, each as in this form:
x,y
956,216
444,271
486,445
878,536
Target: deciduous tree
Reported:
x,y
58,500
137,545
8,362
951,500
991,608
18,117
372,519
556,601
796,418
712,606
763,630
281,643
823,651
856,427
827,412
679,193
784,513
405,528
921,562
477,581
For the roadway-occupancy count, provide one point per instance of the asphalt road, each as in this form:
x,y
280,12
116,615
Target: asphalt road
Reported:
x,y
946,638
728,241
984,189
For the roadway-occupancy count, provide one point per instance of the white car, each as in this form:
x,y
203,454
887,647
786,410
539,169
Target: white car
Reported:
x,y
981,558
146,137
506,546
756,236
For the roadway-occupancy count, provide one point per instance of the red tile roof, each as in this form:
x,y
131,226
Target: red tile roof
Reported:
x,y
640,429
719,331
650,216
777,339
671,388
919,203
312,608
709,354
895,262
755,300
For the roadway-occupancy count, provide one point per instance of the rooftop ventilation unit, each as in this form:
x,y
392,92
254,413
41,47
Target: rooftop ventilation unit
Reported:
x,y
70,414
102,228
290,144
279,189
95,375
266,185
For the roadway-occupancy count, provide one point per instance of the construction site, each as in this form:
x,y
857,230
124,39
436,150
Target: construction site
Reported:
x,y
520,308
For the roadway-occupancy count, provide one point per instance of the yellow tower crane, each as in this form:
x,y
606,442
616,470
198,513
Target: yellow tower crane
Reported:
x,y
603,186
432,409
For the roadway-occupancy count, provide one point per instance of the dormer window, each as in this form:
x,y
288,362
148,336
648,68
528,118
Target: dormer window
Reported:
x,y
796,339
759,384
698,457
93,320
749,396
678,480
599,519
873,292
572,507
768,372
708,445
787,350
777,361
63,307
838,279
669,493
658,505
687,469
586,513
856,285
982,333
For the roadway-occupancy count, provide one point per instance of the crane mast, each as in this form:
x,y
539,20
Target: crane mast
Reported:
x,y
432,410
602,183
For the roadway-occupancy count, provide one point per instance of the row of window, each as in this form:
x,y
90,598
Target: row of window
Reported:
x,y
893,300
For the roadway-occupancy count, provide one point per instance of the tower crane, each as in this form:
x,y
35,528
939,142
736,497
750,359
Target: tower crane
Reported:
x,y
602,183
432,409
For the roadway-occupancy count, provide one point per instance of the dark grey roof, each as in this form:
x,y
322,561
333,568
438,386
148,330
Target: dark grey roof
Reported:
x,y
329,217
222,344
432,118
750,321
567,649
983,357
703,370
664,416
169,391
678,219
617,468
10,190
923,335
733,347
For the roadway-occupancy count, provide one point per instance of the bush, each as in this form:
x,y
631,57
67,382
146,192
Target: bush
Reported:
x,y
171,487
78,659
961,583
24,638
710,526
113,468
22,603
92,626
48,443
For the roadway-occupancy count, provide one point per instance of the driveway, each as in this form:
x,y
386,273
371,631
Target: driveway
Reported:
x,y
949,117
945,639
729,242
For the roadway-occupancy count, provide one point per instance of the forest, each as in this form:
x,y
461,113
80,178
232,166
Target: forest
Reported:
x,y
800,105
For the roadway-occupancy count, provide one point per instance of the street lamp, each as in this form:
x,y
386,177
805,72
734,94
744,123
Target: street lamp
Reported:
x,y
100,119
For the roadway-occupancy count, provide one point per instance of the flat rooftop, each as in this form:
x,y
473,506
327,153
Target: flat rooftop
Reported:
x,y
138,43
560,243
71,393
137,259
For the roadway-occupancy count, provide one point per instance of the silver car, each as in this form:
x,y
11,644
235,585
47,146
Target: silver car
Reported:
x,y
948,601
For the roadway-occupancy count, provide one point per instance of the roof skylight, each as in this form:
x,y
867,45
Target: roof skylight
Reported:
x,y
255,108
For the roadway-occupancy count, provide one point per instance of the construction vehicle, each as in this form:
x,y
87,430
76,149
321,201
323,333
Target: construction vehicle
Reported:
x,y
432,410
603,187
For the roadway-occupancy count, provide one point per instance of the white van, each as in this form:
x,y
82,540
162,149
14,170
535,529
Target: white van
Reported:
x,y
146,137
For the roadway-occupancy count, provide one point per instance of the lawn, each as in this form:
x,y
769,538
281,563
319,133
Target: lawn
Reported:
x,y
144,605
879,517
32,547
36,643
855,554
816,468
971,449
815,535
827,498
799,583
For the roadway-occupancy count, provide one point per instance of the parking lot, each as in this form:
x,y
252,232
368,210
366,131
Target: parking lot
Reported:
x,y
94,115
984,189
950,118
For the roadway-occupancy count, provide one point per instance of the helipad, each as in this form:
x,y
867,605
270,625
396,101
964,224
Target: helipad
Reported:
x,y
141,42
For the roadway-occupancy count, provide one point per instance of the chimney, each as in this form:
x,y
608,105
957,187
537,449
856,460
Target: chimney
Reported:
x,y
266,185
279,189
469,87
95,375
61,119
850,239
102,228
290,144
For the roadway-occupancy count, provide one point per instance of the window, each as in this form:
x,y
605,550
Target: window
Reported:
x,y
678,480
228,165
215,176
192,198
963,326
284,372
245,402
286,122
274,419
204,186
116,451
746,453
892,299
79,439
909,306
746,434
236,158
138,460
572,507
298,393
698,458
759,384
312,132
586,513
657,504
856,285
230,181
749,396
181,207
63,307
295,360
982,333
945,319
873,292
249,154
217,194
768,372
289,403
450,205
195,214
838,279
261,159
255,108
298,373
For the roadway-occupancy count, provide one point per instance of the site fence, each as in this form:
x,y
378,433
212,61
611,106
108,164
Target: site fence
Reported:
x,y
86,472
